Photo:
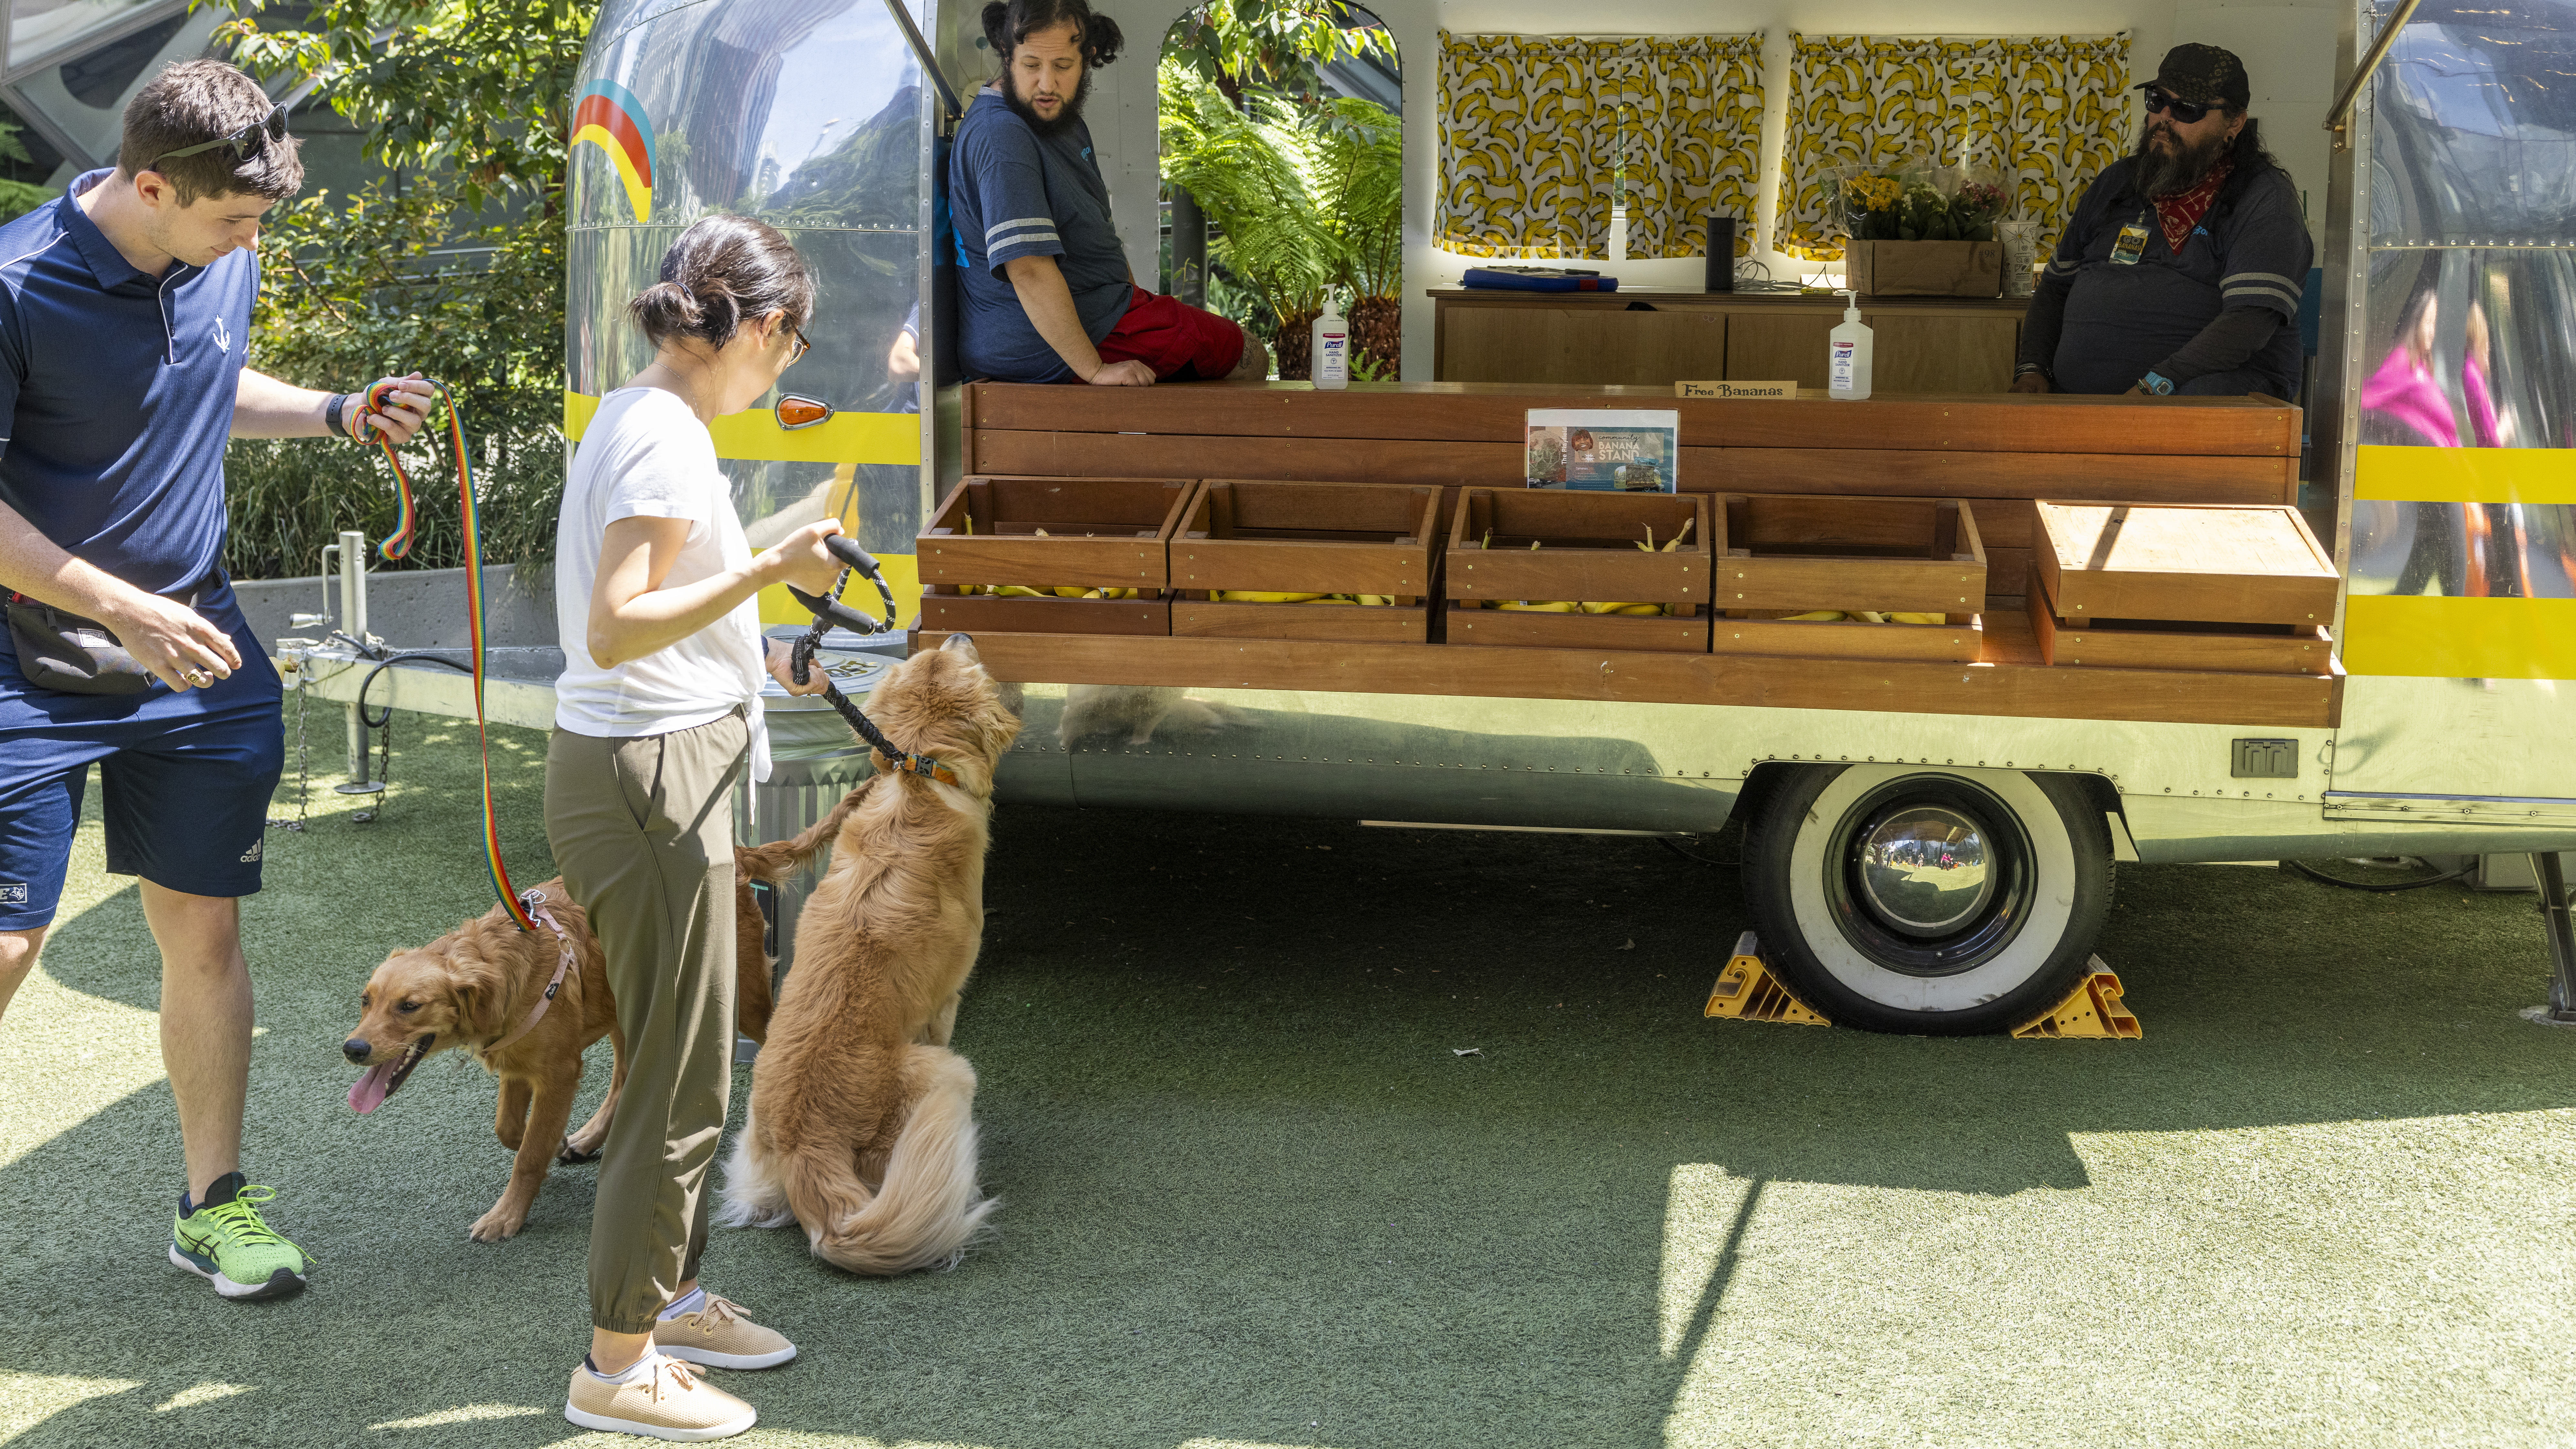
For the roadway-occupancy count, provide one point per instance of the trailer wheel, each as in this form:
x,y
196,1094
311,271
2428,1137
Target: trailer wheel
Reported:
x,y
1930,901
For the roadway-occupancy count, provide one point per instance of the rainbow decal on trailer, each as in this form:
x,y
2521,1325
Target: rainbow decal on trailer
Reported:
x,y
608,116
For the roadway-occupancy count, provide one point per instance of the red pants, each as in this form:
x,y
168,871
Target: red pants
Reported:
x,y
1179,341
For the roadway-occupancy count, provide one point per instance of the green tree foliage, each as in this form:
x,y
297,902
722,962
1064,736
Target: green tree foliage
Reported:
x,y
1272,44
17,198
454,267
1359,191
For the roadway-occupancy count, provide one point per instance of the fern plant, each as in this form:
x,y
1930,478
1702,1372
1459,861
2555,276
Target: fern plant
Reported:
x,y
1255,174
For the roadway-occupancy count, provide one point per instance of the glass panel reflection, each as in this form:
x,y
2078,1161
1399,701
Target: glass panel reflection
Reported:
x,y
2475,134
38,28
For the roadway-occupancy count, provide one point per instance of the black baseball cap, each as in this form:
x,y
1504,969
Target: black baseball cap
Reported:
x,y
2204,75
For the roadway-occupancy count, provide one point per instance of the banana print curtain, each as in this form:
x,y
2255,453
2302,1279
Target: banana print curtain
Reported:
x,y
1533,127
2050,111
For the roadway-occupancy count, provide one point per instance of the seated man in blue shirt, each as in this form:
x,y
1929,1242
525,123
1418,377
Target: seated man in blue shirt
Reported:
x,y
2182,268
1046,293
124,320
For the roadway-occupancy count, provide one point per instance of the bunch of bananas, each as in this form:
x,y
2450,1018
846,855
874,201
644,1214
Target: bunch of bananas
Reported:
x,y
1060,591
1861,616
1263,596
1022,591
1571,606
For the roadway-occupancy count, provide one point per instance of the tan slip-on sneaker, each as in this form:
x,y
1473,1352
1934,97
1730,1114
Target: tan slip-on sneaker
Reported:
x,y
720,1337
671,1402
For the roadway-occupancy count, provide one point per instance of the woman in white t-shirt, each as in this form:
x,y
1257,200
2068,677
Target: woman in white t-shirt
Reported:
x,y
657,715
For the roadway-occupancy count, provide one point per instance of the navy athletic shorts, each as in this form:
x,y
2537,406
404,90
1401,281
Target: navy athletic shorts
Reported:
x,y
188,778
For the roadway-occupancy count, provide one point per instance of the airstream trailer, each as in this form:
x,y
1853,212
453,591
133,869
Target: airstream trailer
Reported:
x,y
2445,727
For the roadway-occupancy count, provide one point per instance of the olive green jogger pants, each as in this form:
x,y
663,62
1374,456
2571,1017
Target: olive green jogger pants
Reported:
x,y
643,832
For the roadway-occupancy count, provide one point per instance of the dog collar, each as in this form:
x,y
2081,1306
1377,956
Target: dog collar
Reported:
x,y
924,766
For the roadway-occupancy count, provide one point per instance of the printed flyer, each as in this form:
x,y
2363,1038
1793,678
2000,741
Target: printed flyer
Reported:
x,y
1604,450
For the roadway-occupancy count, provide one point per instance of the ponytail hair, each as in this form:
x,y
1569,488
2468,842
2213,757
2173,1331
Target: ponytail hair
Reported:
x,y
722,272
1008,22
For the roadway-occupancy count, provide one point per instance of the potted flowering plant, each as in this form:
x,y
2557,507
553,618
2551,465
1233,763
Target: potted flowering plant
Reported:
x,y
1921,230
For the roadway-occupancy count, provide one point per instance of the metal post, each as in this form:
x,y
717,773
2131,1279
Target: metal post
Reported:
x,y
2562,939
1189,250
353,622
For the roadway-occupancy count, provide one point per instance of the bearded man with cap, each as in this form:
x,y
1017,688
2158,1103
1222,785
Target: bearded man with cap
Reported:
x,y
2182,269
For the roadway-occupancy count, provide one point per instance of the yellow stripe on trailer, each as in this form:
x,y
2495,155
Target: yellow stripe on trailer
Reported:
x,y
754,436
2465,475
2441,638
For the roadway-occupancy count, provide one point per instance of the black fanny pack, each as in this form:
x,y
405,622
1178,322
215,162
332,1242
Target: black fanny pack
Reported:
x,y
68,654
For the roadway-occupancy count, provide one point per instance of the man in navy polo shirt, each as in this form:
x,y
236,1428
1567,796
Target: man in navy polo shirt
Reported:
x,y
124,317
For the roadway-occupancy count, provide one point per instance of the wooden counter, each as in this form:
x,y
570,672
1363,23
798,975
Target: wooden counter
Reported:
x,y
1642,337
2002,450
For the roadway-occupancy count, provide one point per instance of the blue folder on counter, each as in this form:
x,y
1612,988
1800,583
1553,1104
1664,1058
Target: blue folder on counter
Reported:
x,y
1536,279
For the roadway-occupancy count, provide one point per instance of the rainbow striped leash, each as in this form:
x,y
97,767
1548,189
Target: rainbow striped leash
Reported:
x,y
397,544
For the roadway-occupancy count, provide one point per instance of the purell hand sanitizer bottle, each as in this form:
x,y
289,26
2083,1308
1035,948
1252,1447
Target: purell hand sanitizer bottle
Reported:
x,y
1332,351
1847,378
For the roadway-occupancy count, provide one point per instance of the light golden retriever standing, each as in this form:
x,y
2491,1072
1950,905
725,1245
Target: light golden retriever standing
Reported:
x,y
472,987
861,1125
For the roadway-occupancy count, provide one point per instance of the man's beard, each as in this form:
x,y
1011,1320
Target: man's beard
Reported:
x,y
1066,115
2162,173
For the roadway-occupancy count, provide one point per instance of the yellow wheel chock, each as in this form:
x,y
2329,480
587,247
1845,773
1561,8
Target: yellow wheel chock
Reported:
x,y
2093,1009
1747,991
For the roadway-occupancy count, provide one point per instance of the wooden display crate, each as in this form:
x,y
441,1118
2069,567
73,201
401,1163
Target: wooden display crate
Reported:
x,y
1924,268
1106,533
2168,644
2226,565
1797,554
1306,538
1587,552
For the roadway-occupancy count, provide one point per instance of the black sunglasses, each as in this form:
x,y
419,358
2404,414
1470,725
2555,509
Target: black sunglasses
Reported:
x,y
242,142
2181,110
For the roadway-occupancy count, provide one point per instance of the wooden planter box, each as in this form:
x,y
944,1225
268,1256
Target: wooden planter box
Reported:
x,y
1795,555
1105,533
1587,553
1306,538
2228,565
1924,268
2165,644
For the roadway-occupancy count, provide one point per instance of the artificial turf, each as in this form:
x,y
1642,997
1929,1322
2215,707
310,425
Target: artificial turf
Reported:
x,y
1253,1194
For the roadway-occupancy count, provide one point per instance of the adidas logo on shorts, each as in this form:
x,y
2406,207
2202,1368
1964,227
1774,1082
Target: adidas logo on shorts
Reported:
x,y
251,856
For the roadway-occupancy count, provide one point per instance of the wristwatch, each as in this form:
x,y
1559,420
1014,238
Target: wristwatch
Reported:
x,y
2156,383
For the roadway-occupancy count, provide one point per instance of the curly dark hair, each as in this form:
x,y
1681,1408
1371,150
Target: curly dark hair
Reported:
x,y
1008,22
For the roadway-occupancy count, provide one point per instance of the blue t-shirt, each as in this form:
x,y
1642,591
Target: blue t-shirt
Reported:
x,y
1015,193
116,397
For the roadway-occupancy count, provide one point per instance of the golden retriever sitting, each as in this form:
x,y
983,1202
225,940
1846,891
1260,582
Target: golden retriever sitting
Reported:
x,y
860,1126
474,986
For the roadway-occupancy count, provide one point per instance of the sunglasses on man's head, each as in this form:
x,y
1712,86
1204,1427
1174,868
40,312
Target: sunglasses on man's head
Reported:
x,y
242,142
2173,105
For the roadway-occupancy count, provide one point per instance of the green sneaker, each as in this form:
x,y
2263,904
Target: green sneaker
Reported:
x,y
223,1240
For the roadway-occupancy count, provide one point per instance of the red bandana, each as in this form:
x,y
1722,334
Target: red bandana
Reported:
x,y
2183,210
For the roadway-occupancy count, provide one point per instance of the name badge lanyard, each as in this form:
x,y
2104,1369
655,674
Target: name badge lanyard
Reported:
x,y
2132,243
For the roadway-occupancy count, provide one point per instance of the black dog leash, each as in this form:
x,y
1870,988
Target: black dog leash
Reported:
x,y
829,612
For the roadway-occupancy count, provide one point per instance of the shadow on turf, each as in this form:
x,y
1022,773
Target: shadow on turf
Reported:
x,y
1230,1207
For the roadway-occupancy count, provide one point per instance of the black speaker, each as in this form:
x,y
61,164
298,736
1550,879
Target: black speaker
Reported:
x,y
1721,254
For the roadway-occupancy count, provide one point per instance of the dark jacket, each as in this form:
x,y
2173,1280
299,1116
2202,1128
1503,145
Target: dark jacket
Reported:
x,y
2097,327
